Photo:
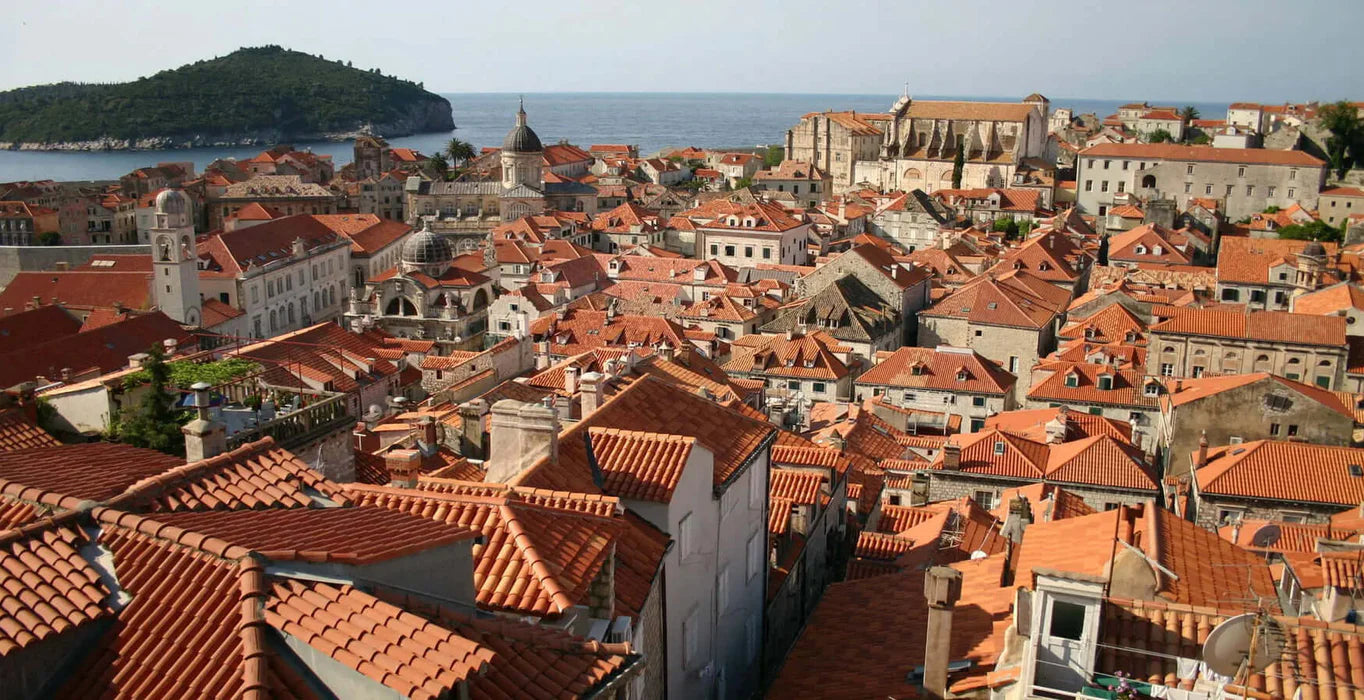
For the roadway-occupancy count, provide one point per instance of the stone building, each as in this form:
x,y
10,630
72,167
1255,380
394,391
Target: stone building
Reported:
x,y
1336,204
1011,319
1245,407
914,145
1122,394
1245,180
807,184
912,219
1269,273
286,194
1300,347
431,294
942,379
754,234
1275,480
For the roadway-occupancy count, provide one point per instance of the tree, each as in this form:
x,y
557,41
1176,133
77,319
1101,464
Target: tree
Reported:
x,y
459,152
152,422
438,163
1159,136
958,164
1311,231
743,182
1345,146
1189,113
1201,139
50,238
1007,226
774,156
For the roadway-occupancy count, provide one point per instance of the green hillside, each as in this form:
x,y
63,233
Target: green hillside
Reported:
x,y
251,90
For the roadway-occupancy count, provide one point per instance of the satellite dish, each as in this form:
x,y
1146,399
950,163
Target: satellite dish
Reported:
x,y
1228,648
1267,536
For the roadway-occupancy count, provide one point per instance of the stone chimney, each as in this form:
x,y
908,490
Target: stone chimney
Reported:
x,y
170,344
1202,451
521,435
426,440
942,588
136,360
403,467
593,383
667,352
1057,428
1018,519
204,437
363,439
951,455
571,380
473,442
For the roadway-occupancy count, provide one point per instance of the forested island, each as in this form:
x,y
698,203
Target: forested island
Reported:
x,y
253,96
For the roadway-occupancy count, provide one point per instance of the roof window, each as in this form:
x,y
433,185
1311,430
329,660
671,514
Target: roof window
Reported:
x,y
999,447
1356,470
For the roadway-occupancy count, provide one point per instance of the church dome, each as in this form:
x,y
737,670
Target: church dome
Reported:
x,y
427,248
172,202
522,138
1314,250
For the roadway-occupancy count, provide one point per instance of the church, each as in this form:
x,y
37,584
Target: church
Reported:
x,y
467,209
432,294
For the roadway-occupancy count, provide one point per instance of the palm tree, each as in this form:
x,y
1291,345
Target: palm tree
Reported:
x,y
438,164
459,152
1189,113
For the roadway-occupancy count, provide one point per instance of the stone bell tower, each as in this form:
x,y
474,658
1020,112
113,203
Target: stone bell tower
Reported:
x,y
175,260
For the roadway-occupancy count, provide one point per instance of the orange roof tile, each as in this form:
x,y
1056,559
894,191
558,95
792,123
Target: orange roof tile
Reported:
x,y
1046,501
17,432
1285,471
639,465
944,368
1032,423
403,651
1271,326
46,588
795,487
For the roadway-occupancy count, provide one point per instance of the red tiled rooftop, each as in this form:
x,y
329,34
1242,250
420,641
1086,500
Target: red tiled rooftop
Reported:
x,y
639,465
46,588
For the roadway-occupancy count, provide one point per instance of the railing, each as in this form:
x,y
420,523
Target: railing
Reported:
x,y
300,427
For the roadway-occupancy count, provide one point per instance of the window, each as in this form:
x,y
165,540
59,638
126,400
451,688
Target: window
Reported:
x,y
1013,365
691,639
977,401
1278,403
999,447
1167,369
1291,192
755,554
1231,295
1125,164
1250,190
1188,187
1292,175
714,249
1292,430
793,386
685,536
748,251
985,499
729,250
1197,371
1067,620
767,253
977,424
1103,186
722,590
1274,429
1207,189
1241,171
1151,389
1189,170
1089,185
1271,190
1095,411
1072,380
1105,383
1107,163
1122,185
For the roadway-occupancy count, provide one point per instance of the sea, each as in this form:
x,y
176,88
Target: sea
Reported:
x,y
653,121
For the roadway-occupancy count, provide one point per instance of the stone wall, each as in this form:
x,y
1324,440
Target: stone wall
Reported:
x,y
946,485
649,640
332,456
1208,509
1303,363
15,259
1017,350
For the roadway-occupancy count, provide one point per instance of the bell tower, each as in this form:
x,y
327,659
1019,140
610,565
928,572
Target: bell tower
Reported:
x,y
175,261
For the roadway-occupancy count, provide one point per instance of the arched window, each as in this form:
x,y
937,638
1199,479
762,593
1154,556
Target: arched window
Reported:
x,y
913,174
1148,181
1261,363
273,322
946,176
480,299
400,306
292,317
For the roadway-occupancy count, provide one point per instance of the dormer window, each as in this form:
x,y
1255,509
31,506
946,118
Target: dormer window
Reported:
x,y
1151,389
999,447
961,375
916,370
1105,382
1072,380
1089,332
1156,250
1139,250
1130,336
1044,266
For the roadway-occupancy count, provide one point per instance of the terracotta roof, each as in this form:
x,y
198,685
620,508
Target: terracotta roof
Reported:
x,y
1099,461
795,486
1141,244
1271,326
1188,390
1284,536
46,588
368,233
542,549
805,356
256,475
95,471
1207,154
1341,192
1080,382
18,432
403,651
651,405
640,466
528,660
943,368
1032,423
79,289
995,302
1046,501
1248,260
1285,471
1111,324
25,329
1331,300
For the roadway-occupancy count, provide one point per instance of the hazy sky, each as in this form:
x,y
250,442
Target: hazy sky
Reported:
x,y
1211,50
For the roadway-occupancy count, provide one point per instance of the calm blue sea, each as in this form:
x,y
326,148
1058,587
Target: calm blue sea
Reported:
x,y
651,120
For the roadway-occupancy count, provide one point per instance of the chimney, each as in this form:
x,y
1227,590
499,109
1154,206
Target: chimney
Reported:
x,y
542,355
170,344
1018,519
591,394
667,352
521,435
1202,451
571,380
942,588
137,360
427,442
204,437
951,456
62,266
363,439
473,442
1057,428
403,467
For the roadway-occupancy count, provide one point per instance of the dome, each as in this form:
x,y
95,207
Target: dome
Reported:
x,y
427,248
172,202
1314,250
522,138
